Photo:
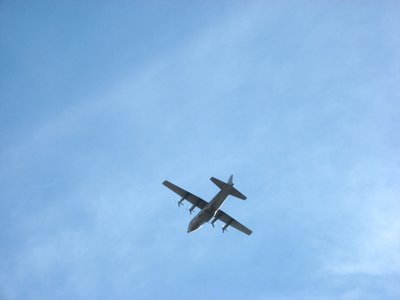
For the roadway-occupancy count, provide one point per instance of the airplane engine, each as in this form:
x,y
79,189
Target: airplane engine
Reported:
x,y
216,217
224,228
180,201
192,208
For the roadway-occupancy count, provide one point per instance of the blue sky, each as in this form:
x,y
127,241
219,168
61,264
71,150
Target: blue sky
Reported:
x,y
100,102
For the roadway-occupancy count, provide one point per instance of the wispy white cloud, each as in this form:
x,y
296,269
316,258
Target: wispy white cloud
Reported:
x,y
253,93
375,249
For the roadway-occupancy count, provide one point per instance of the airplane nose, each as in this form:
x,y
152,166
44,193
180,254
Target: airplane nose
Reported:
x,y
193,225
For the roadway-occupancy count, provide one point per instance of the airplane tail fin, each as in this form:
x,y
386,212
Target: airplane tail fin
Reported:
x,y
230,181
234,192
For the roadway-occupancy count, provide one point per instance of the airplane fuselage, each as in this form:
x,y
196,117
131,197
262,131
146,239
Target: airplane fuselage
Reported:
x,y
210,210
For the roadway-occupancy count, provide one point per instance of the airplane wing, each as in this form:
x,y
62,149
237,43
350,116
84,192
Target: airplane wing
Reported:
x,y
195,200
229,221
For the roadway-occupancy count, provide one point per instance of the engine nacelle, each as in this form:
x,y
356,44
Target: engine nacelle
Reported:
x,y
226,225
216,217
192,208
180,201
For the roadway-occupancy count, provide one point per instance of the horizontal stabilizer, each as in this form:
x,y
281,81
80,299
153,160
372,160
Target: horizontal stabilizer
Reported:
x,y
237,194
234,192
218,182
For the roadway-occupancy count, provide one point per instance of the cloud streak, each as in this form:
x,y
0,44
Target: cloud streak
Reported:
x,y
286,97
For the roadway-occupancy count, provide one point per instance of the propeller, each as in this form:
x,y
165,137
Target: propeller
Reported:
x,y
192,208
180,201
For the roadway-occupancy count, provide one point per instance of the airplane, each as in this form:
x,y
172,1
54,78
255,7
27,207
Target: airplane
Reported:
x,y
209,210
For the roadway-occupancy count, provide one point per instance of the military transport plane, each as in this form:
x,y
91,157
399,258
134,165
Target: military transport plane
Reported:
x,y
211,209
